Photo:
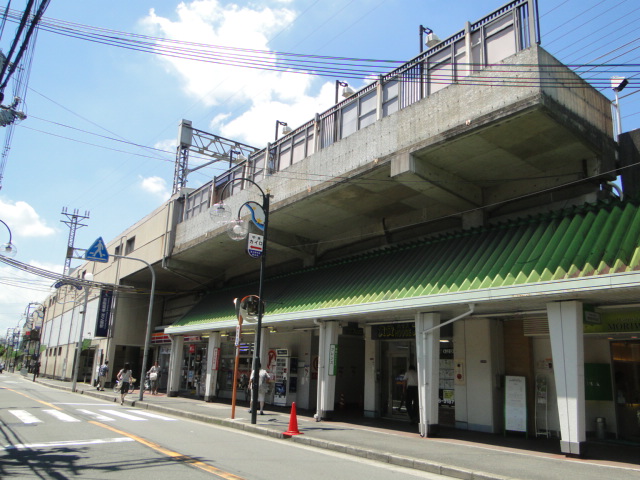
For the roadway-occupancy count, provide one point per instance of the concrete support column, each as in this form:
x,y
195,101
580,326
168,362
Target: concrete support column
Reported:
x,y
175,361
326,378
567,348
428,360
211,380
371,395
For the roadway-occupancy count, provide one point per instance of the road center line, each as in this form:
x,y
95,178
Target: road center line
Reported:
x,y
51,405
175,455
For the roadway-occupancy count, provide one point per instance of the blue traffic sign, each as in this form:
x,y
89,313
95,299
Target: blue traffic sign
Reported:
x,y
97,252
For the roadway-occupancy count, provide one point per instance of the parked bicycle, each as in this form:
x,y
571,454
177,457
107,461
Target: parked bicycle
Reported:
x,y
132,386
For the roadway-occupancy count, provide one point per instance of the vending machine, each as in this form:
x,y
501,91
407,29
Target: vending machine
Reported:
x,y
286,378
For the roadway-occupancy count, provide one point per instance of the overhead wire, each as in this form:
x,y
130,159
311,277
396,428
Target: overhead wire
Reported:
x,y
347,67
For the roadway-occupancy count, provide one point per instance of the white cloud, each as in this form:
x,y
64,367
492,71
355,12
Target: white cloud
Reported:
x,y
245,102
156,186
23,220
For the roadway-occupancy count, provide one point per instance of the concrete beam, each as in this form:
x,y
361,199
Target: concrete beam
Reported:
x,y
432,181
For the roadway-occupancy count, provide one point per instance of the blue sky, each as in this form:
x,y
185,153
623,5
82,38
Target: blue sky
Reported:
x,y
81,92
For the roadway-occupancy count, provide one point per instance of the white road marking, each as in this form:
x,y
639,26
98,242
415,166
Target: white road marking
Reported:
x,y
97,441
61,415
24,416
152,415
97,416
118,413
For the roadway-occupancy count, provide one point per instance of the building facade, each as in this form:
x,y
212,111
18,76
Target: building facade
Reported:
x,y
449,216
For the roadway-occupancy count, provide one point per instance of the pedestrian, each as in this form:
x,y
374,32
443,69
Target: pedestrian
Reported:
x,y
102,375
263,379
411,393
124,377
36,370
154,378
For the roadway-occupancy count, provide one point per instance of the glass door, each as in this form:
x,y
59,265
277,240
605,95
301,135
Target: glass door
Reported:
x,y
393,400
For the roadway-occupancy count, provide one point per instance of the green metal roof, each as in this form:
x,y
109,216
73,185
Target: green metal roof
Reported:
x,y
580,242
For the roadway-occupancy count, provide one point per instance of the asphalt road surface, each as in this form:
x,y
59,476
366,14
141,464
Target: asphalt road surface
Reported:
x,y
51,434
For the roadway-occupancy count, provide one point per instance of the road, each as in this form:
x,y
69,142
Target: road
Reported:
x,y
51,434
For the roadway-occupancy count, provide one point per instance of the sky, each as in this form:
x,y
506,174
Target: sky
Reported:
x,y
102,121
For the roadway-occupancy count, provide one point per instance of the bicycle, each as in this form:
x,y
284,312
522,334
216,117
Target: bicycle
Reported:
x,y
132,386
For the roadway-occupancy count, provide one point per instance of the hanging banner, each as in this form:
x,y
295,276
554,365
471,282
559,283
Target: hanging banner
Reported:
x,y
104,313
333,360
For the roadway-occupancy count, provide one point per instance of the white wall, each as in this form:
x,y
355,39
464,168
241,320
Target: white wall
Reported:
x,y
476,396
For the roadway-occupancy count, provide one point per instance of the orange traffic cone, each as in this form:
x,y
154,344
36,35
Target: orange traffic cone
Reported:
x,y
293,423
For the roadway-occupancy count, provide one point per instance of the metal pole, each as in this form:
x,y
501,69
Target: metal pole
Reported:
x,y
256,363
76,366
235,370
618,117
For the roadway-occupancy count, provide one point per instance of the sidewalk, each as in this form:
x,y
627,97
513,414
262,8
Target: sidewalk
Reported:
x,y
455,453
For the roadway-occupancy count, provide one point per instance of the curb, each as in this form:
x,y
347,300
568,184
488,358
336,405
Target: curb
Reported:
x,y
401,461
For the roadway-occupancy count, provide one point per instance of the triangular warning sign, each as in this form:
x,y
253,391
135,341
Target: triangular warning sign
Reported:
x,y
97,252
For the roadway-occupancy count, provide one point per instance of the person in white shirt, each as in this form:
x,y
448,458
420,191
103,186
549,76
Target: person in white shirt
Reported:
x,y
263,379
411,393
124,376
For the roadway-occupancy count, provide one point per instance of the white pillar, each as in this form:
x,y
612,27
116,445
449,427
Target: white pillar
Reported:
x,y
567,348
326,378
211,380
371,394
428,359
175,362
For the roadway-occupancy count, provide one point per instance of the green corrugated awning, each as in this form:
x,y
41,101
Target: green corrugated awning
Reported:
x,y
585,241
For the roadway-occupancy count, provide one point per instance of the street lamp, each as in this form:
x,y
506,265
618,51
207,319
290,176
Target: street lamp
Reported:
x,y
8,249
256,247
618,84
347,91
285,128
432,38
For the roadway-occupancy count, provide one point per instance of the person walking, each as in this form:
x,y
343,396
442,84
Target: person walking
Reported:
x,y
263,379
124,377
411,393
102,375
154,378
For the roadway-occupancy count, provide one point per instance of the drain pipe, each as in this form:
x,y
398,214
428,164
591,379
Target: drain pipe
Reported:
x,y
423,386
321,342
472,307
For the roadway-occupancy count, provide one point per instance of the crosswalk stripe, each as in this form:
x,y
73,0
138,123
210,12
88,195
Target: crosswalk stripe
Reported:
x,y
24,416
118,413
97,416
73,443
61,416
152,415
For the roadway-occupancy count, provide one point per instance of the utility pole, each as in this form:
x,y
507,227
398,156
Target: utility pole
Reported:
x,y
73,222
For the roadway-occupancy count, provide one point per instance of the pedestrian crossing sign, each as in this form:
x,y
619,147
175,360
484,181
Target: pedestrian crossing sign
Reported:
x,y
97,252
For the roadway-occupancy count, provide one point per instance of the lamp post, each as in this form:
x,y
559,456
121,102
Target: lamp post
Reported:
x,y
617,85
147,337
8,249
257,247
347,91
